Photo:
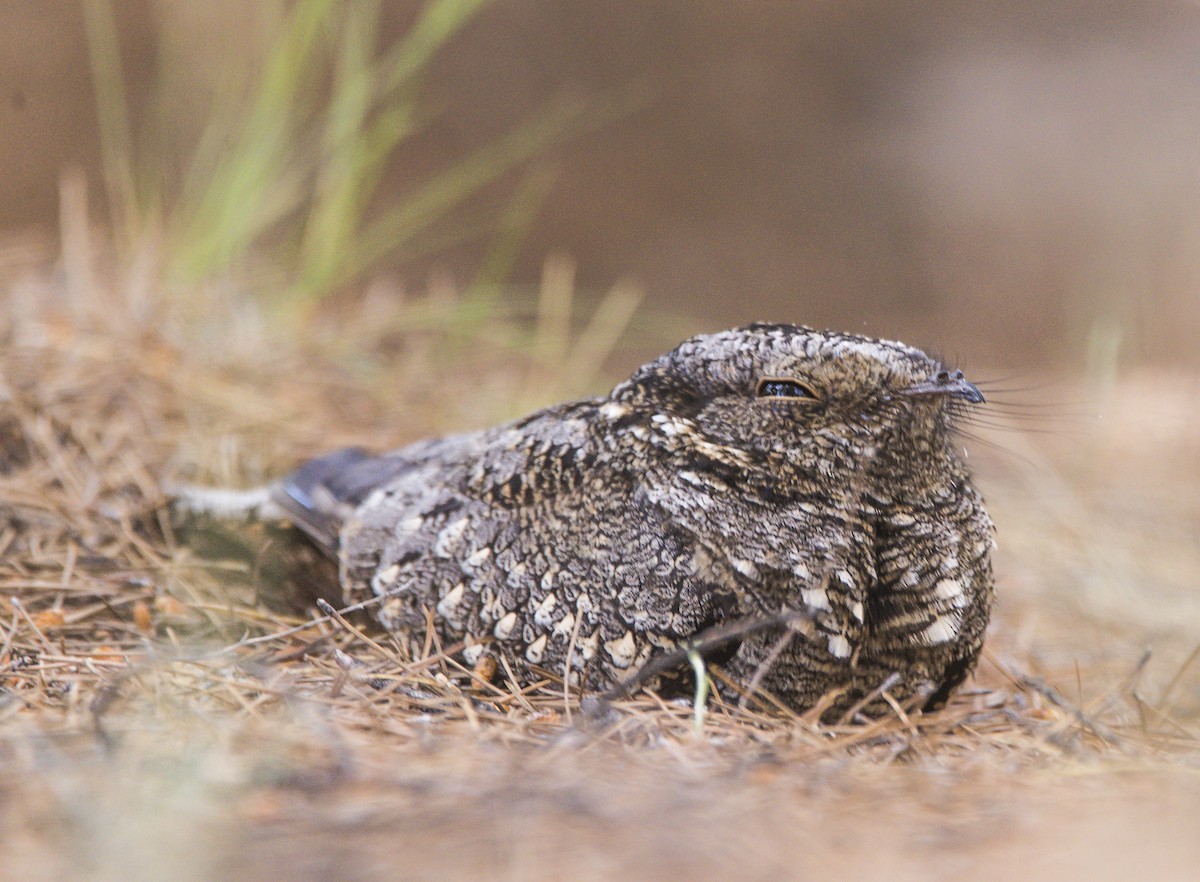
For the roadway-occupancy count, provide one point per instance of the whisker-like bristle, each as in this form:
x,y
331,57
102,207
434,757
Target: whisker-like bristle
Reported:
x,y
978,440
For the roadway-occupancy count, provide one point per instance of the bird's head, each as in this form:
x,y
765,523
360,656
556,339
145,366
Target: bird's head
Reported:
x,y
819,399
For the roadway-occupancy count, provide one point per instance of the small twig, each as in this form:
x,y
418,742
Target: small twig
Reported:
x,y
901,714
567,667
1052,695
714,638
765,666
12,633
991,659
1161,717
1042,688
761,695
888,682
514,688
1135,675
1162,707
304,626
298,653
347,666
326,607
19,608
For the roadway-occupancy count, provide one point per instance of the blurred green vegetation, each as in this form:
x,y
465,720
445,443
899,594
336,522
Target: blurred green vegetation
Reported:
x,y
289,161
275,198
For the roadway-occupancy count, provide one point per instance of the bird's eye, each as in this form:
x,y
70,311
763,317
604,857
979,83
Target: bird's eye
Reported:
x,y
784,387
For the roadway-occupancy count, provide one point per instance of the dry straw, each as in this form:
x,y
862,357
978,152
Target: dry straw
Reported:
x,y
125,646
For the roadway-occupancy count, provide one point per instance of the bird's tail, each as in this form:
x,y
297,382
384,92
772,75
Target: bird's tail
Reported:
x,y
320,495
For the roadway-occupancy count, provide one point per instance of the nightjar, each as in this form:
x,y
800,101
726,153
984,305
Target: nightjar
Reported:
x,y
746,473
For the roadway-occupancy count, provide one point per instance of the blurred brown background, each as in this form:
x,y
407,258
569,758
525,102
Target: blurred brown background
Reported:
x,y
1012,182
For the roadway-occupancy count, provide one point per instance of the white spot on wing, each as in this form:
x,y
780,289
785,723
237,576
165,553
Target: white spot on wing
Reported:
x,y
943,629
839,646
621,650
536,650
670,425
478,557
448,605
544,614
385,580
566,626
491,604
449,538
817,597
392,613
505,626
746,568
947,589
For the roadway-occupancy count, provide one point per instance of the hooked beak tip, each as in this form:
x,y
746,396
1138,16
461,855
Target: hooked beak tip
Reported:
x,y
971,393
947,383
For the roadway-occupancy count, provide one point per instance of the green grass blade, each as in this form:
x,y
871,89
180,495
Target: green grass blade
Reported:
x,y
112,112
439,21
452,187
514,226
607,327
333,215
370,116
258,181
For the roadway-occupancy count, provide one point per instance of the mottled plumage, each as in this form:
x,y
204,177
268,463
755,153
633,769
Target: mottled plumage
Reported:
x,y
762,469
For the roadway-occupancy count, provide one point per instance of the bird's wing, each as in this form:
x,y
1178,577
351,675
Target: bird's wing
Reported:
x,y
539,535
445,500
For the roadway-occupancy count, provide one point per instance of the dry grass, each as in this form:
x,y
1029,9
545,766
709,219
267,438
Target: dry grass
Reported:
x,y
162,716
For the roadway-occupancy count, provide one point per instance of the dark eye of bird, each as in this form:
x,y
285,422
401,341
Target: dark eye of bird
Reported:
x,y
772,387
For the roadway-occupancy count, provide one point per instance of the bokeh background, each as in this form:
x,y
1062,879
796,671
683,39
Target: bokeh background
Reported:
x,y
1014,182
237,234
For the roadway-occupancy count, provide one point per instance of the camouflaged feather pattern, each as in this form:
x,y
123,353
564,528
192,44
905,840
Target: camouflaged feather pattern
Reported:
x,y
589,536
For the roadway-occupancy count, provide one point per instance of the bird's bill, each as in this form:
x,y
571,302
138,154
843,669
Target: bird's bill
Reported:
x,y
955,385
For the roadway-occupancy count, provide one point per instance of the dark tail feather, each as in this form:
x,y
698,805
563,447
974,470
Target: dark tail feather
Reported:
x,y
310,496
322,493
